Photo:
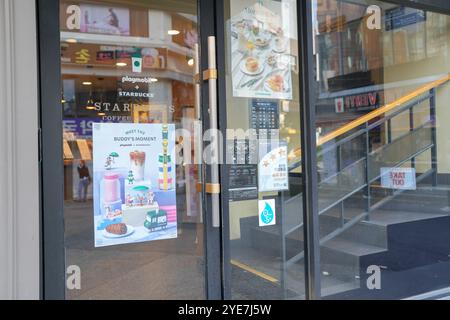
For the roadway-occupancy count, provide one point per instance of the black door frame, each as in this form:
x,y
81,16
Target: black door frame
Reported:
x,y
217,254
52,169
213,235
53,268
308,138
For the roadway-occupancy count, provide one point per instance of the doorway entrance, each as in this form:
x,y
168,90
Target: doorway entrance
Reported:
x,y
179,175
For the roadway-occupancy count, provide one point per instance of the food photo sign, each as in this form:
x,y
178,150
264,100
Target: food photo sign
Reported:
x,y
134,183
261,52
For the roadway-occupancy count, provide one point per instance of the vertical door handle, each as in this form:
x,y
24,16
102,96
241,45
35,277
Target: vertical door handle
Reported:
x,y
198,149
213,188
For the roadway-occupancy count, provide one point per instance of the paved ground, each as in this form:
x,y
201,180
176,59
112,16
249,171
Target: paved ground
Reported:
x,y
169,269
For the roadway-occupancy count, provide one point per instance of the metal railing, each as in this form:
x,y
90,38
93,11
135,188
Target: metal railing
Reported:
x,y
344,183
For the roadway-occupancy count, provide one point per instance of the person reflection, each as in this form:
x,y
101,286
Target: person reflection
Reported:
x,y
85,180
112,18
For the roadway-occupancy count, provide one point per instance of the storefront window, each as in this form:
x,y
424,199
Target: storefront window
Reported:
x,y
263,119
133,216
381,108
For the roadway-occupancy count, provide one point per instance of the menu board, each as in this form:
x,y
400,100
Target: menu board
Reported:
x,y
67,151
264,114
243,170
85,152
261,52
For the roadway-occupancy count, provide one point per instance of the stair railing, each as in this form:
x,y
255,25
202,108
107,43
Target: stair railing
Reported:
x,y
418,139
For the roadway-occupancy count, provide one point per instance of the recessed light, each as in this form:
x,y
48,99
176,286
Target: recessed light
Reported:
x,y
121,64
173,32
191,62
71,40
153,80
87,83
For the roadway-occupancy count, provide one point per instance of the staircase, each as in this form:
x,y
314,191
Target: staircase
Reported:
x,y
406,233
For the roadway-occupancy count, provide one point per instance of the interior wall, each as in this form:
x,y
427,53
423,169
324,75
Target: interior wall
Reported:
x,y
432,66
19,170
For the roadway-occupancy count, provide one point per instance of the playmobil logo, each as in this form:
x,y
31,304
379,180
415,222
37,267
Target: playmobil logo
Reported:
x,y
134,80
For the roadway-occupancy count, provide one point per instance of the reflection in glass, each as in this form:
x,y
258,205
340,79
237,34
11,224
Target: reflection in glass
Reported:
x,y
263,139
382,150
120,64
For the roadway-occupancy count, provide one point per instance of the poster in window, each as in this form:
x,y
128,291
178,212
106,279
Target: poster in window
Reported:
x,y
134,183
105,20
261,57
273,174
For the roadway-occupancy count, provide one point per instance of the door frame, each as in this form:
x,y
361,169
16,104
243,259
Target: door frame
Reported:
x,y
308,138
50,145
53,271
308,143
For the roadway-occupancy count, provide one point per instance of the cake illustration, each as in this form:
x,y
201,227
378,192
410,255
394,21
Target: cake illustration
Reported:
x,y
139,201
137,165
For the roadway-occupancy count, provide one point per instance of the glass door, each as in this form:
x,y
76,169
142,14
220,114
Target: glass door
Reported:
x,y
134,217
262,176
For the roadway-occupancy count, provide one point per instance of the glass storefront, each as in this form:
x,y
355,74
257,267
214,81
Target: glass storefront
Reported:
x,y
148,214
382,146
131,64
263,110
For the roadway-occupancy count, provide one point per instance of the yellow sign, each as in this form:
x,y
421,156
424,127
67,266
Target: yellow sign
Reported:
x,y
82,56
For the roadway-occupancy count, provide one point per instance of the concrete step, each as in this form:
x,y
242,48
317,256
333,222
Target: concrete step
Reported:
x,y
390,217
343,258
423,200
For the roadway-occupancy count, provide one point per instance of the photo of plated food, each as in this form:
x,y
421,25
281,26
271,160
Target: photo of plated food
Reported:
x,y
272,59
260,57
261,42
276,83
279,44
251,66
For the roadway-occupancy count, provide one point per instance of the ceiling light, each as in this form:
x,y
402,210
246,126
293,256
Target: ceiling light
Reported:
x,y
71,40
90,108
191,62
121,64
173,32
87,83
154,80
101,114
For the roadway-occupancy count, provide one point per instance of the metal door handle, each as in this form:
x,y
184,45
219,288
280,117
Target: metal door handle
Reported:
x,y
213,188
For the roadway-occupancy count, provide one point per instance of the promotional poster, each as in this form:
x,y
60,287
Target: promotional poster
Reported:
x,y
134,183
105,20
261,51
